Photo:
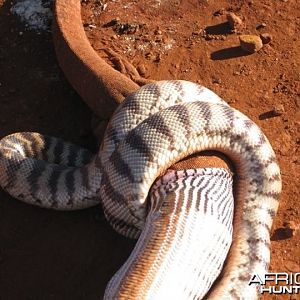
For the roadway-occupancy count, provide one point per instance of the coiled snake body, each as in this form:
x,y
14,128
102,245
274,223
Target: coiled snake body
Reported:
x,y
152,129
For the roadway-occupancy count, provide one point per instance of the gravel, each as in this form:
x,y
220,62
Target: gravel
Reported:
x,y
235,22
36,14
251,43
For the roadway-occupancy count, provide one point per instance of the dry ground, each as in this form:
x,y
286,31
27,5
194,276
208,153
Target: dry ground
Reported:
x,y
54,255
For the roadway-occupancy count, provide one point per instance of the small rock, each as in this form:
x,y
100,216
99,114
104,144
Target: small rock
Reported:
x,y
150,56
196,32
158,32
292,227
278,110
266,38
209,37
260,26
235,22
251,43
219,12
158,38
216,80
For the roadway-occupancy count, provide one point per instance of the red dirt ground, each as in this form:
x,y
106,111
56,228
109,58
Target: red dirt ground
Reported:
x,y
55,255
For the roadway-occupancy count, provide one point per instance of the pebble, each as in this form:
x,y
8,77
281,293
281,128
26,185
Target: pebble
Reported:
x,y
251,43
158,32
219,12
158,38
260,26
278,110
291,227
216,80
235,22
266,38
150,56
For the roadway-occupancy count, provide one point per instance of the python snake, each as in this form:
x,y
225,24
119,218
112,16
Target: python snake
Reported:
x,y
151,130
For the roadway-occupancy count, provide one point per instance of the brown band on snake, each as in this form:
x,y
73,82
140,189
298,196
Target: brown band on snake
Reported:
x,y
205,159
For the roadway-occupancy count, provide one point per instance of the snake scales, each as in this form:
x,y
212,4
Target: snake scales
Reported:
x,y
152,129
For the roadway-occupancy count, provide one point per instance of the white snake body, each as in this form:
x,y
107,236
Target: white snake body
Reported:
x,y
152,129
187,236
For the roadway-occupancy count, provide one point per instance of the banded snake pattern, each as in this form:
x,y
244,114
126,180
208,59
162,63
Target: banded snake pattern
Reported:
x,y
152,129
